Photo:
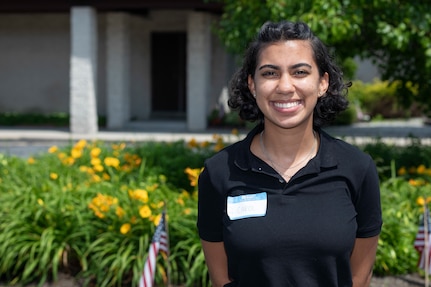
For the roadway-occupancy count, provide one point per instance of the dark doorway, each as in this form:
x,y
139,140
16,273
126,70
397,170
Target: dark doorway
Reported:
x,y
168,72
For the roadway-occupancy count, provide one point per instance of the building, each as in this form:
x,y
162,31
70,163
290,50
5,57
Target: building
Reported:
x,y
135,62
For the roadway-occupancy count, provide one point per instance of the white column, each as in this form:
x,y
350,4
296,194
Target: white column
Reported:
x,y
117,69
83,70
198,69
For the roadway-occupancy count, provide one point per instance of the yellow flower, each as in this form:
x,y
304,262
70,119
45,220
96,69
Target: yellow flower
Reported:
x,y
421,169
180,201
98,168
119,212
420,201
205,144
90,171
152,187
106,176
53,176
68,161
53,149
156,219
99,214
185,194
76,153
95,161
96,178
83,168
125,228
402,171
193,175
413,182
95,152
80,144
31,160
139,194
160,204
187,211
61,155
192,143
40,201
112,161
145,211
120,146
133,219
219,144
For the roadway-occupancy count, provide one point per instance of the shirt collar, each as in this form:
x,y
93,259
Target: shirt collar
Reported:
x,y
325,158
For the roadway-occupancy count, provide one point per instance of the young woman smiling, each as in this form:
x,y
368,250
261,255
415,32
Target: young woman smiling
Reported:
x,y
289,205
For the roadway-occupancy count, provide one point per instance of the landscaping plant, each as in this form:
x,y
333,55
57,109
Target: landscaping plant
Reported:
x,y
90,210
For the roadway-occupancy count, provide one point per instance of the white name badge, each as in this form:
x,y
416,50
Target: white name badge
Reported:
x,y
247,205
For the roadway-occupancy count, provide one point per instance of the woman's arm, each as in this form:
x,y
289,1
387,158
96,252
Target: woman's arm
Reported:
x,y
362,260
216,260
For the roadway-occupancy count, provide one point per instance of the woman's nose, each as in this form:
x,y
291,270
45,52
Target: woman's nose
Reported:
x,y
285,84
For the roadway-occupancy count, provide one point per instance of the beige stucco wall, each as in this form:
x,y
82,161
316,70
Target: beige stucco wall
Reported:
x,y
35,61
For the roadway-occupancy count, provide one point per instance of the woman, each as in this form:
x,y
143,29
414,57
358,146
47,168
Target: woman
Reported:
x,y
289,205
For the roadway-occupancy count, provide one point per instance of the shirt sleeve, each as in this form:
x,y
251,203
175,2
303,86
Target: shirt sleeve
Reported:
x,y
210,209
368,206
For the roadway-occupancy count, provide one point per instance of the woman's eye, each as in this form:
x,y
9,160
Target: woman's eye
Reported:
x,y
301,73
269,74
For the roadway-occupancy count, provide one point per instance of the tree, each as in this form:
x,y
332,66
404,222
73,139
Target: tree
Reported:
x,y
394,34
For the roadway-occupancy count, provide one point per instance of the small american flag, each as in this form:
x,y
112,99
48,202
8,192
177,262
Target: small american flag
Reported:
x,y
160,242
421,239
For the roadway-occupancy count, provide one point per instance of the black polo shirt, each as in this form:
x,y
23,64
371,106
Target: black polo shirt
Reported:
x,y
300,233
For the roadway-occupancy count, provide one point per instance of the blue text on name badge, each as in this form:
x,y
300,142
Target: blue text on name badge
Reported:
x,y
247,205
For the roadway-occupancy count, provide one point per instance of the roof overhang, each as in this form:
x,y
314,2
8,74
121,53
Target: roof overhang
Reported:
x,y
21,6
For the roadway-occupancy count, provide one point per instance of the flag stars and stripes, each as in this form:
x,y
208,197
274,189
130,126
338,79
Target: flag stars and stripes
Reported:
x,y
159,242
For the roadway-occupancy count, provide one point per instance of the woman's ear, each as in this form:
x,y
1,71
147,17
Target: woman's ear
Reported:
x,y
251,87
324,84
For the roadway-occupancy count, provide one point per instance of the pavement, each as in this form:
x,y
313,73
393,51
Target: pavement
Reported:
x,y
27,141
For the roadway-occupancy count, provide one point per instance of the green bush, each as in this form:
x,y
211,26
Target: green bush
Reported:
x,y
396,254
346,117
38,119
90,210
411,155
380,99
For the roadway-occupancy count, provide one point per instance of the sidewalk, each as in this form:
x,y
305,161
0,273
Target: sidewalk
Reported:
x,y
28,141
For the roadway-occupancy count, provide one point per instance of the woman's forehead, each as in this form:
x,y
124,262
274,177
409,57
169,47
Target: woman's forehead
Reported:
x,y
290,50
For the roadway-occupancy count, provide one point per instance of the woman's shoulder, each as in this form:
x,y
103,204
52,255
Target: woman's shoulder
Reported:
x,y
227,152
236,150
343,149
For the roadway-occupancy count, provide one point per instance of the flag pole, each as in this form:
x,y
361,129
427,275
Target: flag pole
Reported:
x,y
426,244
168,262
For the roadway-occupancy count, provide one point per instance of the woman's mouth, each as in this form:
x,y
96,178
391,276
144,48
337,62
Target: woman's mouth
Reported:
x,y
286,105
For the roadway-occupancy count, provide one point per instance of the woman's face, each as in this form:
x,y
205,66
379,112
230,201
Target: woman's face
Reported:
x,y
287,83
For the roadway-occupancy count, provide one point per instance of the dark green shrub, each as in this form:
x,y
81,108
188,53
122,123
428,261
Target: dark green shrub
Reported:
x,y
171,159
380,98
384,155
346,117
36,119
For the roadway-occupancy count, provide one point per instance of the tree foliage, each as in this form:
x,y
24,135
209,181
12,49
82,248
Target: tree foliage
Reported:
x,y
394,34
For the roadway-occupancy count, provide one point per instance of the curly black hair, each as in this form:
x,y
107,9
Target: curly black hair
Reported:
x,y
327,107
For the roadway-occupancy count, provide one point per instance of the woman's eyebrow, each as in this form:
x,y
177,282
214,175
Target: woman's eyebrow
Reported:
x,y
269,66
300,65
